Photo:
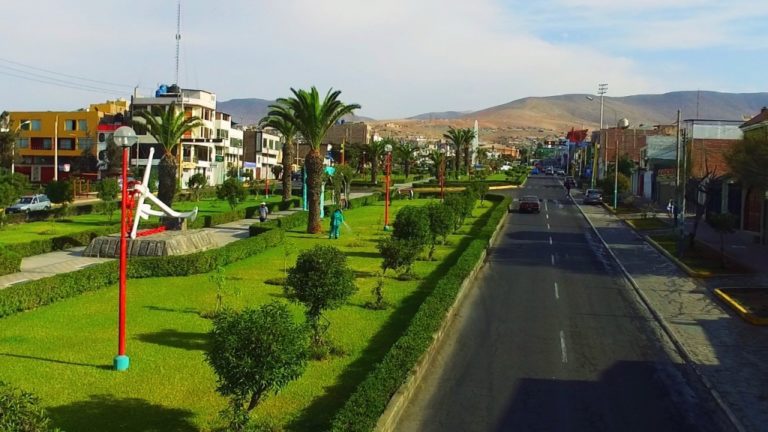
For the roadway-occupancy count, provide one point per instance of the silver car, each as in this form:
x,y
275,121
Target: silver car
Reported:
x,y
30,203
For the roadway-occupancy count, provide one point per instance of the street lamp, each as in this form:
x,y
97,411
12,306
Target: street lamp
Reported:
x,y
13,144
601,90
442,171
388,171
124,137
620,126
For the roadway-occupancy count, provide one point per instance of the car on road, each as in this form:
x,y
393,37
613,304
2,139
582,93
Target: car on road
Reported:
x,y
560,172
550,171
529,204
30,203
593,196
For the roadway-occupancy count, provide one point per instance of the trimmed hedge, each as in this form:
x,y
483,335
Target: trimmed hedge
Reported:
x,y
41,246
364,407
286,222
41,292
208,221
10,262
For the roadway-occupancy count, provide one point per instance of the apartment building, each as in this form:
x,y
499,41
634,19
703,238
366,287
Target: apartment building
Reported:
x,y
51,144
210,149
262,150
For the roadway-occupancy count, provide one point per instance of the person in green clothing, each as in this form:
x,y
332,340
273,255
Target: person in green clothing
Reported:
x,y
336,220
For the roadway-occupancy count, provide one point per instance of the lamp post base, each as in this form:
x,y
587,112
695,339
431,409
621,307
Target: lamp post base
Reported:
x,y
121,363
387,228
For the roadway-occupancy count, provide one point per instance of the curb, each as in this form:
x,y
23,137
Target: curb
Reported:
x,y
735,422
689,271
391,415
740,310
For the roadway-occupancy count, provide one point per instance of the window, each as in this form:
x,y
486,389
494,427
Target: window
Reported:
x,y
46,144
33,125
70,125
85,143
82,125
66,144
22,143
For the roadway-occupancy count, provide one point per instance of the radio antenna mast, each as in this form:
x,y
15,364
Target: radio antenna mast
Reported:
x,y
178,37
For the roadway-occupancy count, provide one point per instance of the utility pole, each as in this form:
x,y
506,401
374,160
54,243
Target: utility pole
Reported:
x,y
601,90
679,216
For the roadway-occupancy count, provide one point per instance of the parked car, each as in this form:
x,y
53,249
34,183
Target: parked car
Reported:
x,y
30,203
593,196
560,172
550,171
529,204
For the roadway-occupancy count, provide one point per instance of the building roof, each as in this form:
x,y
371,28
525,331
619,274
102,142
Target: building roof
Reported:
x,y
763,116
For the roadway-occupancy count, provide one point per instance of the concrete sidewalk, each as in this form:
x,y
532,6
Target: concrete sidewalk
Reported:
x,y
726,352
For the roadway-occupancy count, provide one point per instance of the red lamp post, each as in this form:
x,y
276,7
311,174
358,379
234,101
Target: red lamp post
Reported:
x,y
125,137
387,171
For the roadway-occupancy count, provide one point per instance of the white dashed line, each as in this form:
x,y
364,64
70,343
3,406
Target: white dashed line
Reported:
x,y
553,259
557,293
550,240
547,216
562,347
548,226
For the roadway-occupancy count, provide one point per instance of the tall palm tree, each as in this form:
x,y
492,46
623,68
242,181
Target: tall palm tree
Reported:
x,y
167,127
405,153
376,153
312,117
459,138
288,130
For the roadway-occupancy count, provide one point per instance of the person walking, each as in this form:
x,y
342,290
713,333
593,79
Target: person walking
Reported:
x,y
567,189
263,212
671,209
337,218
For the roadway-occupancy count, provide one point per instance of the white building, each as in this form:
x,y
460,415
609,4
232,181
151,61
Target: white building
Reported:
x,y
210,149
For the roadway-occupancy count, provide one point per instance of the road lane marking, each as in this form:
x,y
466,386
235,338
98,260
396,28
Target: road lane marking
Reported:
x,y
548,226
550,240
562,347
553,259
557,294
545,206
547,215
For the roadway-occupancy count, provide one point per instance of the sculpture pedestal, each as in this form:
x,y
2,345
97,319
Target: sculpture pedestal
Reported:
x,y
161,244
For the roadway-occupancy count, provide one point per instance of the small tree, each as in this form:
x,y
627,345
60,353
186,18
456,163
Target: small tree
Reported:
x,y
440,223
233,191
723,223
195,183
60,191
255,352
107,192
398,254
321,280
21,411
11,187
276,171
412,224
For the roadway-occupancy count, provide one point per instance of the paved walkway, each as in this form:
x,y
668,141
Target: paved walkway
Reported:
x,y
728,353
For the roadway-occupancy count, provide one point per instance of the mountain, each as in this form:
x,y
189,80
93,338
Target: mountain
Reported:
x,y
445,115
250,110
565,111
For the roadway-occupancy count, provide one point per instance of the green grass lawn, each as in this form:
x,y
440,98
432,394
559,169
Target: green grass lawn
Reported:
x,y
63,352
650,223
214,205
21,233
700,258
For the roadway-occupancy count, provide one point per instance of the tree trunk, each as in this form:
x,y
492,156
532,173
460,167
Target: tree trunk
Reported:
x,y
287,171
167,179
466,158
255,397
313,163
407,168
457,162
374,169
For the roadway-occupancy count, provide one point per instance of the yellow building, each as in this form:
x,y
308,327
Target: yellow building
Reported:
x,y
49,139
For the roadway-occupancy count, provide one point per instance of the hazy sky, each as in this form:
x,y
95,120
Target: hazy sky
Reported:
x,y
396,58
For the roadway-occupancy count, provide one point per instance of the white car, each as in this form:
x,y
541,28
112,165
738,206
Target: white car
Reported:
x,y
30,203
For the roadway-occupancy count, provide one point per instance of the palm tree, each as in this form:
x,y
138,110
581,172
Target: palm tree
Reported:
x,y
167,127
312,117
460,140
376,153
405,153
288,130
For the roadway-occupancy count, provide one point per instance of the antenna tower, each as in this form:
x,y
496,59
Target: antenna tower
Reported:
x,y
178,37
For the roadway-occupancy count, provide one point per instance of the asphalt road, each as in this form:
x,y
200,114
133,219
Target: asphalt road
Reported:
x,y
552,338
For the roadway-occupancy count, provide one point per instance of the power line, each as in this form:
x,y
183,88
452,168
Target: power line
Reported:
x,y
65,75
56,81
75,87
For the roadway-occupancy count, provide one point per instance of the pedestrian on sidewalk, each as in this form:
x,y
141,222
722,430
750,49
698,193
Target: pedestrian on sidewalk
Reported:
x,y
567,189
336,220
671,209
263,212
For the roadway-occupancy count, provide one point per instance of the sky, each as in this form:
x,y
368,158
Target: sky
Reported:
x,y
396,58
